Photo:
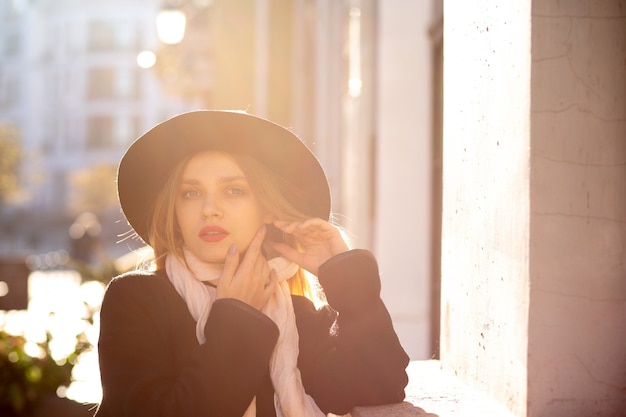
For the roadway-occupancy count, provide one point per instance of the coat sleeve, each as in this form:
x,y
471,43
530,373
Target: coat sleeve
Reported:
x,y
360,360
219,378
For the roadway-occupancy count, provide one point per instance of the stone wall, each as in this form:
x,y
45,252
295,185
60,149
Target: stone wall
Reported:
x,y
486,227
577,314
534,218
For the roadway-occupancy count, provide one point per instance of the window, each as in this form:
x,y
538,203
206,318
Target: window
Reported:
x,y
100,83
109,35
109,132
101,36
9,89
125,130
126,83
110,83
12,44
99,132
11,9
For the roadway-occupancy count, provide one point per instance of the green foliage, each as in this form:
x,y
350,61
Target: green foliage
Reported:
x,y
25,380
10,157
93,189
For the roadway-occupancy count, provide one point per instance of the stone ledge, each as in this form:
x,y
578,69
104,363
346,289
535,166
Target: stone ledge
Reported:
x,y
433,392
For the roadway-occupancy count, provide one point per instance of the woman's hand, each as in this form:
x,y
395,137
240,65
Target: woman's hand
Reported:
x,y
250,281
319,239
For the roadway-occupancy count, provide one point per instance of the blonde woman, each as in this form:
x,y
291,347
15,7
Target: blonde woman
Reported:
x,y
256,306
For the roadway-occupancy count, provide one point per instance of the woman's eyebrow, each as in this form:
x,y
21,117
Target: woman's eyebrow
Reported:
x,y
189,181
233,178
229,179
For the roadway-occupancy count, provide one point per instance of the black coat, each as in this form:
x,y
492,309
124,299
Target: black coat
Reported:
x,y
152,365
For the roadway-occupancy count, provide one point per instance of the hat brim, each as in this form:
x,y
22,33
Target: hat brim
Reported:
x,y
149,161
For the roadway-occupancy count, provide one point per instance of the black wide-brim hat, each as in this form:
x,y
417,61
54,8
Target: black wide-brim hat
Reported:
x,y
149,161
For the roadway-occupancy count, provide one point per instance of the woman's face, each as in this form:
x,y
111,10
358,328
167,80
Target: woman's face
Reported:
x,y
215,206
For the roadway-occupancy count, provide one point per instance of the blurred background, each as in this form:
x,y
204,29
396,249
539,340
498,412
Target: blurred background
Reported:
x,y
358,80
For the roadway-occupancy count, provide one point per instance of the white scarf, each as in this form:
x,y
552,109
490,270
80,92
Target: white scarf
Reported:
x,y
290,400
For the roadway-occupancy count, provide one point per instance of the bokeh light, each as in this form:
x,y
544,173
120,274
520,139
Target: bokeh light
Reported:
x,y
146,59
63,308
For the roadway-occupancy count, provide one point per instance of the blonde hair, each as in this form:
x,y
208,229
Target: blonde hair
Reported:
x,y
270,189
163,231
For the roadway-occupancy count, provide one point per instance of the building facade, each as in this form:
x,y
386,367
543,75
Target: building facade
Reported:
x,y
71,85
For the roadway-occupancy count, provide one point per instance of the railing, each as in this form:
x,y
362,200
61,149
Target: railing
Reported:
x,y
433,392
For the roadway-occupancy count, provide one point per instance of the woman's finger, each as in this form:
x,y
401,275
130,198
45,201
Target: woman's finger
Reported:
x,y
310,227
254,248
230,263
261,271
314,222
272,283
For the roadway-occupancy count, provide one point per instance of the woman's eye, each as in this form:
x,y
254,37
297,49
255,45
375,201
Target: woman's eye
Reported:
x,y
234,191
191,193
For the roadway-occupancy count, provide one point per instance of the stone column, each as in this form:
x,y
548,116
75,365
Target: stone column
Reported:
x,y
534,203
577,312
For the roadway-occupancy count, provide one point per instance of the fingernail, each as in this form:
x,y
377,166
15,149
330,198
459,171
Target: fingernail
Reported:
x,y
232,249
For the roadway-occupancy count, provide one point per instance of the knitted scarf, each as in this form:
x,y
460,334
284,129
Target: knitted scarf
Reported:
x,y
290,400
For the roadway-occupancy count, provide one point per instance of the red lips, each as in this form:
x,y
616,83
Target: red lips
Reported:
x,y
212,234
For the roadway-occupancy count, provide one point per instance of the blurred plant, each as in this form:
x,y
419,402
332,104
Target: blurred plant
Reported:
x,y
26,380
93,190
10,157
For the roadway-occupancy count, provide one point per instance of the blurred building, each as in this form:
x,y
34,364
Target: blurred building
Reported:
x,y
355,79
69,81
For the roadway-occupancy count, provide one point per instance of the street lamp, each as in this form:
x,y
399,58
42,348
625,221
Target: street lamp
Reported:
x,y
171,25
183,61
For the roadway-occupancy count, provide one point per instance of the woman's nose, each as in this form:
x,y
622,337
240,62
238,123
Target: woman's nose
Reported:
x,y
211,207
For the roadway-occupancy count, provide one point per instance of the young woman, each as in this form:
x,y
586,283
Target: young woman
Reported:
x,y
256,306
